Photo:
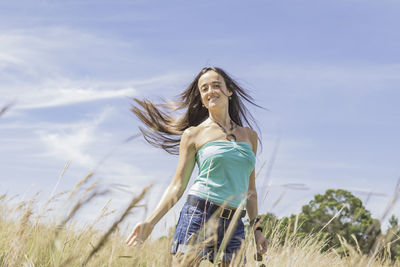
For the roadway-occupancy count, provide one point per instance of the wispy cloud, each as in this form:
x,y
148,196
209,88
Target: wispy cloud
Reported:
x,y
67,93
74,143
61,66
53,50
37,75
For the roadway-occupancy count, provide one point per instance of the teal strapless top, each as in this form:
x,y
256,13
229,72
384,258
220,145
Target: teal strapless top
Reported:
x,y
224,171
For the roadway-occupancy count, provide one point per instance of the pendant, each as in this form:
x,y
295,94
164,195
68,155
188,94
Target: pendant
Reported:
x,y
231,137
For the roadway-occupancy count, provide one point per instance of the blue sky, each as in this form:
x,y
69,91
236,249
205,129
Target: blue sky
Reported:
x,y
328,72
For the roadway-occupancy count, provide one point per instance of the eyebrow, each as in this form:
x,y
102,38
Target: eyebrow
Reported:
x,y
218,82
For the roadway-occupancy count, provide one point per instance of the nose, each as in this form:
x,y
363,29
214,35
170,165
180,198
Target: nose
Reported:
x,y
210,90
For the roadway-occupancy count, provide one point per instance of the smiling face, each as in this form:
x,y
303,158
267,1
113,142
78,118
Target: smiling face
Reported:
x,y
213,90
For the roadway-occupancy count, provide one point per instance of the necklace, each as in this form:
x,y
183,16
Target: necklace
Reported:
x,y
230,136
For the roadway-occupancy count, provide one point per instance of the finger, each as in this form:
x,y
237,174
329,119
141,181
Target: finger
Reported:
x,y
133,240
263,251
129,239
258,247
264,247
133,234
137,242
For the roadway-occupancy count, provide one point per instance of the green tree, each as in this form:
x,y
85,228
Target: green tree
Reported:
x,y
338,212
392,237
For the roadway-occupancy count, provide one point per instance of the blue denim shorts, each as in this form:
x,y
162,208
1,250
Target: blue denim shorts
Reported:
x,y
190,232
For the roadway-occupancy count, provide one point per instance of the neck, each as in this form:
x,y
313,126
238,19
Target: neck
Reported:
x,y
220,116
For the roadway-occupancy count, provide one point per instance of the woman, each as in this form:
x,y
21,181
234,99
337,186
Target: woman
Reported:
x,y
211,134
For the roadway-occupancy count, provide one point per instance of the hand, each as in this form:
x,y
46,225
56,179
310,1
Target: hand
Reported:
x,y
261,242
139,233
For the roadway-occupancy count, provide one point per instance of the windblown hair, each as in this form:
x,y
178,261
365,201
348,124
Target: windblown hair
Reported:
x,y
165,130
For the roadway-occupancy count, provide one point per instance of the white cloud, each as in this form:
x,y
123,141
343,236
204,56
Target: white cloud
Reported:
x,y
36,65
50,50
65,94
74,144
48,67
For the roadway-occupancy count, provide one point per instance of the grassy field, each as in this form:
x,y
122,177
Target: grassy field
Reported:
x,y
26,239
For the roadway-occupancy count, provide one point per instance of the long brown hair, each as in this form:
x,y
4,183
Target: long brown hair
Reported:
x,y
165,130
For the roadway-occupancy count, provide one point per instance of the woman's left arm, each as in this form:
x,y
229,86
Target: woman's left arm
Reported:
x,y
251,206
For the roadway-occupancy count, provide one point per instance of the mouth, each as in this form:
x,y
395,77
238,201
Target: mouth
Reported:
x,y
213,98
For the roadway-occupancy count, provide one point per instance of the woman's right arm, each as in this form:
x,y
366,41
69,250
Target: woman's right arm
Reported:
x,y
174,191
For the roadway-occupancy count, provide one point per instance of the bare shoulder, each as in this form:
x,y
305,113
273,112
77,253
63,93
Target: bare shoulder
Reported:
x,y
188,138
252,134
192,134
253,137
188,131
193,131
248,133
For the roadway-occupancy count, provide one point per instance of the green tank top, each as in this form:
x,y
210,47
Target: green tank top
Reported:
x,y
224,171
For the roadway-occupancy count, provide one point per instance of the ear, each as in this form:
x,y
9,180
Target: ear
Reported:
x,y
230,93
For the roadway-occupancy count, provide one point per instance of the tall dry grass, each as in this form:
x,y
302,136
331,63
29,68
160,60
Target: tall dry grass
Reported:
x,y
27,239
